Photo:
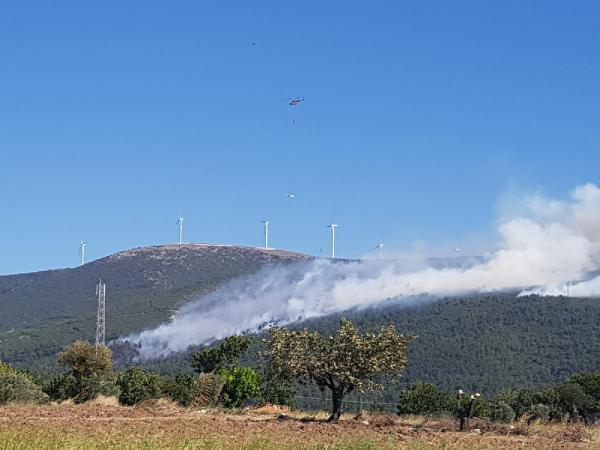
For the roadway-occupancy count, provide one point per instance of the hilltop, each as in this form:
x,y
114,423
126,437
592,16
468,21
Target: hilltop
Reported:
x,y
43,311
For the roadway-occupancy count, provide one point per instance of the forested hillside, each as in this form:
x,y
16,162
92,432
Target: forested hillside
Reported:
x,y
479,342
482,343
42,312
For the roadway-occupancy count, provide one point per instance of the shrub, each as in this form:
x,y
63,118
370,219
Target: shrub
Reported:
x,y
95,385
223,356
502,412
241,385
539,412
589,382
137,384
570,398
181,389
6,368
86,360
16,387
207,389
62,387
275,389
425,398
520,400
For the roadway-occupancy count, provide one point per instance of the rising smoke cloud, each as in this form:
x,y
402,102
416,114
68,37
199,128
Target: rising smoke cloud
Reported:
x,y
547,245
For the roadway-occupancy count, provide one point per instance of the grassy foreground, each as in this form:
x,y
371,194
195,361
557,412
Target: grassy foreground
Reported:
x,y
165,426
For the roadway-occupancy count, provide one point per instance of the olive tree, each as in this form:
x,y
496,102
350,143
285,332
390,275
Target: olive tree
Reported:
x,y
343,362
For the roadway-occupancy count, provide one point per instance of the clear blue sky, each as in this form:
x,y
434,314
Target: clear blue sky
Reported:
x,y
417,116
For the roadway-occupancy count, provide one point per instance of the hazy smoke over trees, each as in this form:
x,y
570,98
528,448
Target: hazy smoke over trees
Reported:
x,y
548,244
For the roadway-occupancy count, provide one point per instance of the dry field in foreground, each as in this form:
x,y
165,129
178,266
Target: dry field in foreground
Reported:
x,y
165,426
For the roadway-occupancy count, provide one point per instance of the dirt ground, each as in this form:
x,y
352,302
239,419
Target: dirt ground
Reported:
x,y
106,425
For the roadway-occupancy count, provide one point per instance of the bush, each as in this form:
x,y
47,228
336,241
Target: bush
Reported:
x,y
590,383
241,385
207,389
17,387
539,412
62,387
95,385
86,360
137,384
181,389
275,389
425,398
502,412
570,399
6,368
520,400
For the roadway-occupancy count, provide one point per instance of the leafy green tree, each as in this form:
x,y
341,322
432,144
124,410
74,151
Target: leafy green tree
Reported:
x,y
502,412
92,368
6,368
425,398
95,385
590,383
225,355
85,359
520,400
570,399
539,412
17,387
62,387
343,362
137,384
275,389
181,389
241,384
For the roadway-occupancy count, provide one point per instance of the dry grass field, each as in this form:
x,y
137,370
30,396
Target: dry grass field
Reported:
x,y
105,425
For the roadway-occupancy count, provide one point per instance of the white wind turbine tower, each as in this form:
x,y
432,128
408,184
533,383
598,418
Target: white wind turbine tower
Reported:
x,y
457,251
333,226
266,223
180,223
380,248
82,245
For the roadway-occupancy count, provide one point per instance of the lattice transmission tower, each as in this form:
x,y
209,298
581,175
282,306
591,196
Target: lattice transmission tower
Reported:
x,y
101,318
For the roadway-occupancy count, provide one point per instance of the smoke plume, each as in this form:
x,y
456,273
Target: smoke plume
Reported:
x,y
548,248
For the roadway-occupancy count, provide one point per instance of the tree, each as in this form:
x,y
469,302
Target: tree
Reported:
x,y
241,384
225,355
92,368
343,362
274,389
17,387
425,398
85,359
138,384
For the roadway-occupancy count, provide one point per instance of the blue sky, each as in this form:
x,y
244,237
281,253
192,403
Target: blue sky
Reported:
x,y
417,117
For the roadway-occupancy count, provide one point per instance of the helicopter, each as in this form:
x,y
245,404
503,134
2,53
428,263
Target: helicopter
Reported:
x,y
295,101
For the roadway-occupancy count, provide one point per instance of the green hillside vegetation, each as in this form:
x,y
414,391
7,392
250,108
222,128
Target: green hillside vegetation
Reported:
x,y
485,343
41,313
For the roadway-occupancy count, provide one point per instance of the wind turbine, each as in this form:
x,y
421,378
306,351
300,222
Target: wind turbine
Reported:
x,y
266,224
180,223
457,251
380,248
82,245
333,226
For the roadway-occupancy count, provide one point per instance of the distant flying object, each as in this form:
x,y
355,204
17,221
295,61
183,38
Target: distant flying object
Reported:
x,y
295,101
380,248
290,197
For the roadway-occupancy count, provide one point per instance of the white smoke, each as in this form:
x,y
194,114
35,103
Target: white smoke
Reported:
x,y
550,247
